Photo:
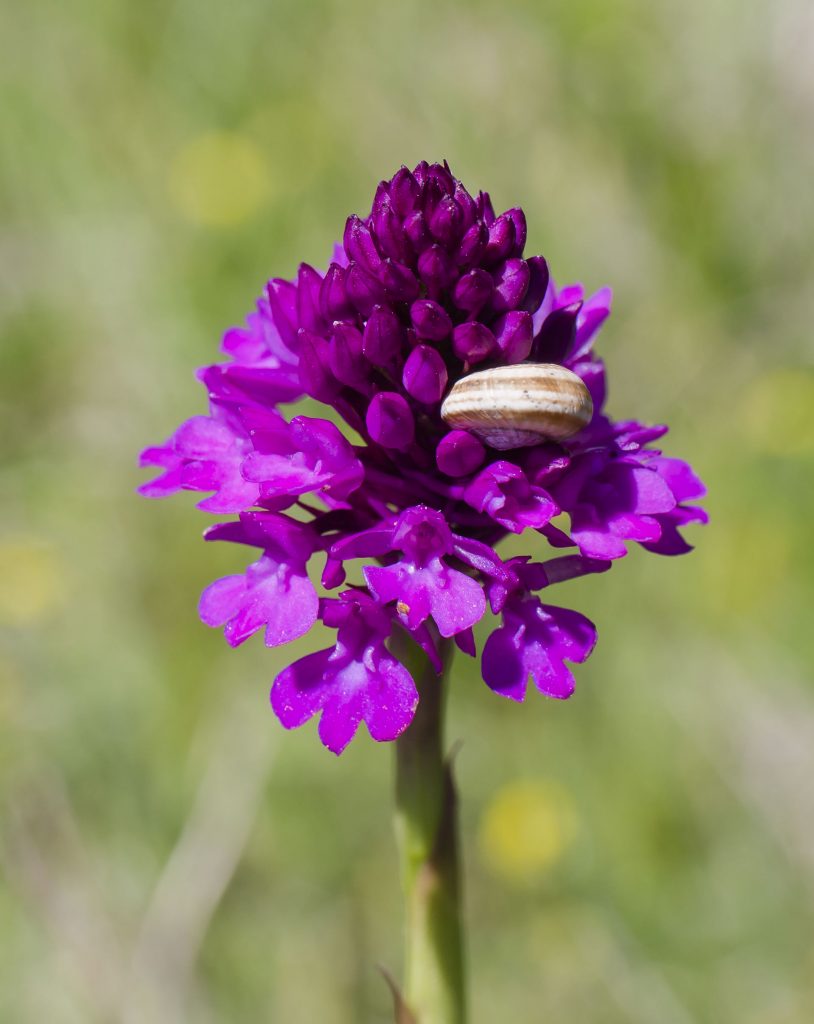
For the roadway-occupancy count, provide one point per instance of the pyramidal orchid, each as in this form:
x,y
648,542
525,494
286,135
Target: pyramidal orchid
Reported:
x,y
430,286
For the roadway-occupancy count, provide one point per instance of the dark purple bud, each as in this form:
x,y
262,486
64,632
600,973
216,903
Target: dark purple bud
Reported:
x,y
472,244
404,192
473,342
518,218
513,335
421,172
399,283
345,355
556,337
390,235
363,290
390,421
359,244
485,208
415,227
446,221
283,301
430,320
315,374
538,284
309,285
425,374
465,201
511,282
435,269
382,196
333,297
501,240
473,290
431,196
440,175
459,453
383,336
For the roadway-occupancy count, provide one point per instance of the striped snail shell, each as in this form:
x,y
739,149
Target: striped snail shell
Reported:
x,y
520,405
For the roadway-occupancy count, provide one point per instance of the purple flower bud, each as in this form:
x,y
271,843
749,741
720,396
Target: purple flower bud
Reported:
x,y
473,290
511,283
473,342
485,208
383,336
333,297
380,199
435,269
345,355
467,205
518,218
441,176
282,297
538,284
404,192
309,285
415,227
425,374
501,240
459,453
513,335
446,221
390,235
389,421
399,283
472,244
359,244
421,173
430,320
364,291
315,372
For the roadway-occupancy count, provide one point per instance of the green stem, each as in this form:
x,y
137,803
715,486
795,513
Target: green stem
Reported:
x,y
427,830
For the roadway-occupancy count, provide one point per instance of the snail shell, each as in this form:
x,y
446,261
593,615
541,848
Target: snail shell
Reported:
x,y
520,405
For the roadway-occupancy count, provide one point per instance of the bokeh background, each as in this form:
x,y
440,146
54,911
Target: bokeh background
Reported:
x,y
643,853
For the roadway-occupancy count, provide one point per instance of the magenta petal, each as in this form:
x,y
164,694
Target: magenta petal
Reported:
x,y
170,480
203,438
652,492
385,582
392,702
536,640
221,600
680,478
502,666
457,601
376,689
298,691
597,543
270,595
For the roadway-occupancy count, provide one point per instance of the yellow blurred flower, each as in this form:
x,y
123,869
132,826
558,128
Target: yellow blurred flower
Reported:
x,y
526,828
777,412
219,179
31,581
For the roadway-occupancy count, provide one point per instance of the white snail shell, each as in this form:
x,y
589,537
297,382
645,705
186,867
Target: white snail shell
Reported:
x,y
520,405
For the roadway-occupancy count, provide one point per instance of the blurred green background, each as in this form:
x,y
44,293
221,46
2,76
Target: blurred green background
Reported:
x,y
643,853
